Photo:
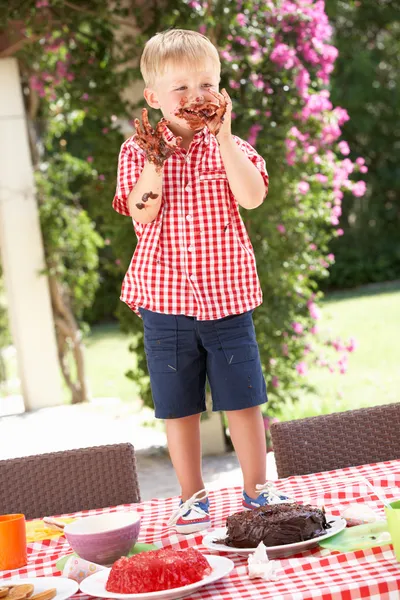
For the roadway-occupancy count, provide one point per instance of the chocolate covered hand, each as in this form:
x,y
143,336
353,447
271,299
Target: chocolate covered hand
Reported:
x,y
152,141
220,124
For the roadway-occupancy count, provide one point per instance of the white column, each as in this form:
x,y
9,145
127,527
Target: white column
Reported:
x,y
29,304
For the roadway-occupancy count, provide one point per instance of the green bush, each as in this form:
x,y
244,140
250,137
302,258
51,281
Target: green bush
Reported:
x,y
277,60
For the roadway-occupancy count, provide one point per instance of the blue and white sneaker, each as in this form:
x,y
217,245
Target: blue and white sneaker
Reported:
x,y
267,495
192,515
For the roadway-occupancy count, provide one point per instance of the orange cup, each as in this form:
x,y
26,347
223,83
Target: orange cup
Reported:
x,y
12,542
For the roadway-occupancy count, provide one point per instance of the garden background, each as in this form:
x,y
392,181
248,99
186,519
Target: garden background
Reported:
x,y
315,88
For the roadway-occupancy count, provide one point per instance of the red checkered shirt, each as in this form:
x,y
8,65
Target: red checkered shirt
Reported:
x,y
195,258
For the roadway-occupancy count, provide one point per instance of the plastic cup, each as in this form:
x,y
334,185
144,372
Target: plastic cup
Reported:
x,y
393,520
12,542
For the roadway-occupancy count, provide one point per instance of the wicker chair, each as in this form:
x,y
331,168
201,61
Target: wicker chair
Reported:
x,y
335,441
69,481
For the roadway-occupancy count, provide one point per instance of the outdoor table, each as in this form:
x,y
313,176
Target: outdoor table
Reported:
x,y
317,573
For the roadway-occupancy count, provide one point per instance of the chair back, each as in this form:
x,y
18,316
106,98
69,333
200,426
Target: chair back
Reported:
x,y
70,481
335,441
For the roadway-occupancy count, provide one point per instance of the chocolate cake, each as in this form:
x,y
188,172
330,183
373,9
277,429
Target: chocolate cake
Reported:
x,y
275,525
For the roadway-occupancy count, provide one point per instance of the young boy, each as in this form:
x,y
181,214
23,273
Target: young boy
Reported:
x,y
193,275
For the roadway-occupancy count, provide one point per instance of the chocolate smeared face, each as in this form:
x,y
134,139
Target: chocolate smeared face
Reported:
x,y
201,113
196,113
275,525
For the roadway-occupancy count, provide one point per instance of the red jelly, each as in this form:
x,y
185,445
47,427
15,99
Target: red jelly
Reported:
x,y
156,571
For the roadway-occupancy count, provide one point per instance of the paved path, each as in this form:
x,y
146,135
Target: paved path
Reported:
x,y
108,422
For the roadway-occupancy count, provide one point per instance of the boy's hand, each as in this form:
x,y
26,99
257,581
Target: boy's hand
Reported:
x,y
220,124
152,141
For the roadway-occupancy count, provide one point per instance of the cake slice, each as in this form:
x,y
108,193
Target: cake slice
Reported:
x,y
275,525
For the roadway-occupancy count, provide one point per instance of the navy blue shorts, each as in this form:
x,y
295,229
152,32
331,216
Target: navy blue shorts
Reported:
x,y
183,352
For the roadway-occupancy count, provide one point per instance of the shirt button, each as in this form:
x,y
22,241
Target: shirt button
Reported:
x,y
191,248
192,278
189,217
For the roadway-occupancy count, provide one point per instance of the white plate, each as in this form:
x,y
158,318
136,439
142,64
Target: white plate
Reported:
x,y
95,585
337,524
65,587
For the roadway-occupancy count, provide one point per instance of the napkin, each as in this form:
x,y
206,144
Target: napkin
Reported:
x,y
260,566
36,530
136,549
78,569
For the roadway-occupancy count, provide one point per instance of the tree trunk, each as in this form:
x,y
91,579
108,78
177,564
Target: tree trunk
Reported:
x,y
69,343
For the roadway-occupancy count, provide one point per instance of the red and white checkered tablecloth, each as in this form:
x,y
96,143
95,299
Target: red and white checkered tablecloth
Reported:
x,y
313,574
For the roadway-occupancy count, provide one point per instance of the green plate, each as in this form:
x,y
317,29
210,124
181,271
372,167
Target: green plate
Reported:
x,y
360,537
136,549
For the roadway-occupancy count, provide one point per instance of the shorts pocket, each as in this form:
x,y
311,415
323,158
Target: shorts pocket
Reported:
x,y
160,342
239,354
237,338
161,352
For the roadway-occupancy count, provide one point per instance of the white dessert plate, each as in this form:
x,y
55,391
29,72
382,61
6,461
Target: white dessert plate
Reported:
x,y
95,585
209,541
65,587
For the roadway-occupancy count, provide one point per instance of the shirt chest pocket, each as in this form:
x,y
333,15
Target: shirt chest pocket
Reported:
x,y
213,188
212,176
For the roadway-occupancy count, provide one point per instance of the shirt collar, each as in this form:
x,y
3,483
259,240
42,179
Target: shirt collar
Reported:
x,y
202,135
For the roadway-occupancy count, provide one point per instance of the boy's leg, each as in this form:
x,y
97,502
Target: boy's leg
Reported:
x,y
184,446
238,387
246,428
177,367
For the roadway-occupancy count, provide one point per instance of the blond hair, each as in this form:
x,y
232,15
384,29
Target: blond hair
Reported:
x,y
176,47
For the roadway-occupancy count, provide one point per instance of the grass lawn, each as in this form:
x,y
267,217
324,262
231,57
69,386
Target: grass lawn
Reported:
x,y
371,315
107,360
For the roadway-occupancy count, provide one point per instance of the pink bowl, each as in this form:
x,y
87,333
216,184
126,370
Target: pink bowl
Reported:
x,y
103,539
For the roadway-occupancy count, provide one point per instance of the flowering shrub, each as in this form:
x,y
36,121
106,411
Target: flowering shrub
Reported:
x,y
277,59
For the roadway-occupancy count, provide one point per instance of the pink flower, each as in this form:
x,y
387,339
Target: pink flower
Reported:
x,y
89,159
321,178
107,241
101,177
105,130
352,345
339,232
359,189
275,381
338,345
341,115
344,148
315,312
241,19
303,187
118,261
314,330
85,96
302,368
284,56
364,169
312,247
285,349
331,257
281,228
360,161
298,328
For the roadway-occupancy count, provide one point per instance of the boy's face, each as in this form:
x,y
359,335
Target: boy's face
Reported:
x,y
182,82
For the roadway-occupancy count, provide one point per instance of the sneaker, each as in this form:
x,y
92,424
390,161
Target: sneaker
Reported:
x,y
192,515
267,495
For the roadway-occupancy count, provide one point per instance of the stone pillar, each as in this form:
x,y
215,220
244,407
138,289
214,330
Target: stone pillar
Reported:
x,y
21,246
